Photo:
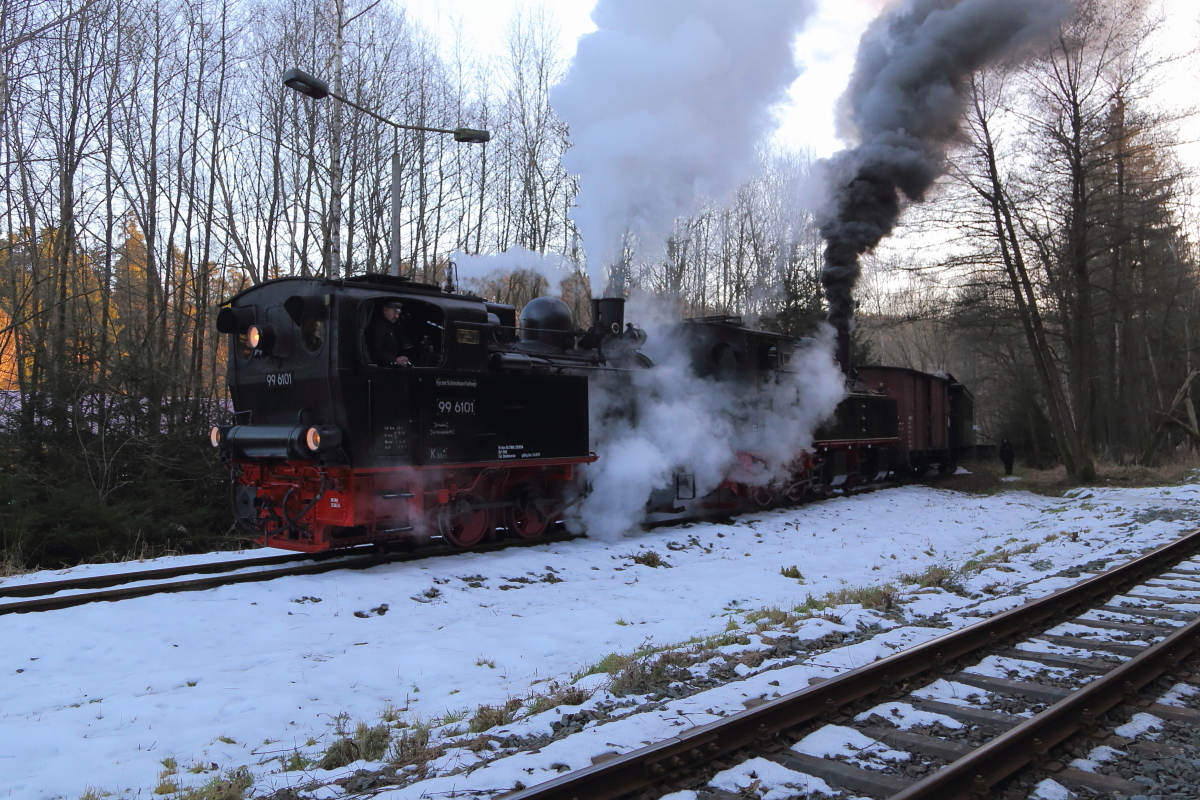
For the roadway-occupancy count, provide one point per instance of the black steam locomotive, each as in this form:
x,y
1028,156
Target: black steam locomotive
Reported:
x,y
480,426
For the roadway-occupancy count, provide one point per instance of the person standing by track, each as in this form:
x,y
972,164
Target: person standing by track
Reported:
x,y
1007,455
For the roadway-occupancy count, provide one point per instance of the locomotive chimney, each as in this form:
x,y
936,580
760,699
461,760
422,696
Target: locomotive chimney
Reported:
x,y
843,348
608,314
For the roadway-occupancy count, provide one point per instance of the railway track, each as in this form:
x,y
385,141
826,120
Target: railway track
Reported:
x,y
1086,650
52,595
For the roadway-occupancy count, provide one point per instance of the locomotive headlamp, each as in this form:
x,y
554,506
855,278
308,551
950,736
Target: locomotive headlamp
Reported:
x,y
317,439
261,339
214,436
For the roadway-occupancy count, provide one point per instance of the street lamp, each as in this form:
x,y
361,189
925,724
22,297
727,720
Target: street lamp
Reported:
x,y
317,89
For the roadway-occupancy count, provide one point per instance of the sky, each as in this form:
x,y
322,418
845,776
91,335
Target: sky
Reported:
x,y
825,50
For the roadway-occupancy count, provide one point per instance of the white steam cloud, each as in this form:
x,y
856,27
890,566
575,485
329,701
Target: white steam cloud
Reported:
x,y
666,104
646,424
477,269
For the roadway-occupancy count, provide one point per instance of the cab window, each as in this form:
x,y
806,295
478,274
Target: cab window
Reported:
x,y
394,329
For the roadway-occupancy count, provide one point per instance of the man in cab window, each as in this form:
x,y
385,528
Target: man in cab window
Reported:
x,y
386,341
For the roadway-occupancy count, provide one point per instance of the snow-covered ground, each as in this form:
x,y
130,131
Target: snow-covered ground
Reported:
x,y
173,690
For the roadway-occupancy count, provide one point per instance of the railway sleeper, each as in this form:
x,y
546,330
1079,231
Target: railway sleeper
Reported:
x,y
849,776
1033,691
1093,644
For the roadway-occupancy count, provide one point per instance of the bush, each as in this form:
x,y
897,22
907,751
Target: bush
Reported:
x,y
156,495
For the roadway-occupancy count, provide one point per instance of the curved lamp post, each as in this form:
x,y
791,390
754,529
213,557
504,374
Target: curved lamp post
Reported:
x,y
317,89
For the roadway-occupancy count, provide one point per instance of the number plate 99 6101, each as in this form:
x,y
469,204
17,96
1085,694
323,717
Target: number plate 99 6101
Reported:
x,y
279,379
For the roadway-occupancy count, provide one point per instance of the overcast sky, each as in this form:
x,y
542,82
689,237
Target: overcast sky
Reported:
x,y
825,50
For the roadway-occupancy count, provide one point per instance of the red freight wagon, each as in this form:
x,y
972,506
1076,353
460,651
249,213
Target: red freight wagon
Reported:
x,y
923,406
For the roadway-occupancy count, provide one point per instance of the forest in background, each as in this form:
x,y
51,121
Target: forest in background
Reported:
x,y
154,165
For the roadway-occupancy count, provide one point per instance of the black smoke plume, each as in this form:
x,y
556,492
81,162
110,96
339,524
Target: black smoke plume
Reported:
x,y
903,105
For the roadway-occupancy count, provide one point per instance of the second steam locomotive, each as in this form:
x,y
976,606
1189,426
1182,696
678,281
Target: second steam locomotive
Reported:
x,y
381,410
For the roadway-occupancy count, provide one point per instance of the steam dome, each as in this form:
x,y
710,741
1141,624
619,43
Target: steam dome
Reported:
x,y
547,320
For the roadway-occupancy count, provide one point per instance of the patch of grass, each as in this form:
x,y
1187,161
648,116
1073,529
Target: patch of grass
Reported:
x,y
985,478
369,742
983,562
772,617
610,664
556,694
166,786
649,558
644,674
390,713
226,740
939,576
487,717
232,785
412,749
791,572
296,762
485,662
10,566
92,793
811,605
372,740
451,717
342,752
882,597
622,621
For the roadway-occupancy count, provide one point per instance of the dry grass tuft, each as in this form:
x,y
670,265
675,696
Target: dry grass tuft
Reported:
x,y
649,558
556,694
412,749
939,576
11,565
644,674
488,717
339,754
370,742
881,597
232,785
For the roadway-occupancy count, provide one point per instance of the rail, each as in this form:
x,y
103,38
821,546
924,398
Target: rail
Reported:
x,y
969,776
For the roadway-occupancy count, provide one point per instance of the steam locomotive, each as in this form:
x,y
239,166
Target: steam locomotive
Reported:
x,y
484,427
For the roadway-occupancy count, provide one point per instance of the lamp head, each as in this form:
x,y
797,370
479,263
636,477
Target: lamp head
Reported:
x,y
471,136
306,84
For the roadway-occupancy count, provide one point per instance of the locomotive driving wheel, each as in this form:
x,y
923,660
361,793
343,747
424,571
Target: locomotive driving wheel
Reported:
x,y
524,518
764,495
461,525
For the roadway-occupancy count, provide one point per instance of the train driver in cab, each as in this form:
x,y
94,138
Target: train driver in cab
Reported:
x,y
386,341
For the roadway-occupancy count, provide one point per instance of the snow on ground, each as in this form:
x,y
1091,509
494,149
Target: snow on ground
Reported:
x,y
101,695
